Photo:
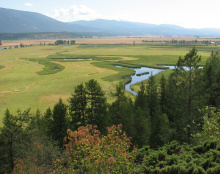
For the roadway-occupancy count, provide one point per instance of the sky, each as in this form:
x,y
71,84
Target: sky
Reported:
x,y
185,13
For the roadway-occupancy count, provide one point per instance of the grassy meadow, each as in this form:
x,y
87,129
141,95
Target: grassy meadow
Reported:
x,y
36,77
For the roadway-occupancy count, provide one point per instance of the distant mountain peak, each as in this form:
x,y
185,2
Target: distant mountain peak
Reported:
x,y
15,21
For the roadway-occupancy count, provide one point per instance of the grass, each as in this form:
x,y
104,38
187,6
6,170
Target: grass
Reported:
x,y
36,77
50,67
1,66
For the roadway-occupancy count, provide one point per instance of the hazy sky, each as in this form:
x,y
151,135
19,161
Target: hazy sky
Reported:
x,y
186,13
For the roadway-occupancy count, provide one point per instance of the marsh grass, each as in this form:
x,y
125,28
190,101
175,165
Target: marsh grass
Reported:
x,y
49,66
41,77
1,66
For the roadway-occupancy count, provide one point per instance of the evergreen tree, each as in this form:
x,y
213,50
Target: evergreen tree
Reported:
x,y
188,82
122,111
152,97
141,99
12,139
163,93
118,104
47,122
155,112
142,128
142,121
78,103
211,76
59,122
171,104
96,105
175,108
127,113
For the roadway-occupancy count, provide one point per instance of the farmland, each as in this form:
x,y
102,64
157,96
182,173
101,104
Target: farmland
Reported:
x,y
37,76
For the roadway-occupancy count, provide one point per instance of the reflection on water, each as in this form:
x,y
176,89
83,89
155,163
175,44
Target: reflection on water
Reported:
x,y
5,48
135,79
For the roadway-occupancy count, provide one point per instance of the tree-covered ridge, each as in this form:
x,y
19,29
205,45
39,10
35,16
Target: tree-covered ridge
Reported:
x,y
173,123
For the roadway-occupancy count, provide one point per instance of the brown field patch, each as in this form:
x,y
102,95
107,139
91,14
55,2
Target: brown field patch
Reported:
x,y
111,40
138,40
5,92
129,58
3,95
122,58
53,98
5,68
100,70
8,43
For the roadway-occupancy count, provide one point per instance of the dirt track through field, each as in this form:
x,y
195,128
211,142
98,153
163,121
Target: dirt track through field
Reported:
x,y
109,40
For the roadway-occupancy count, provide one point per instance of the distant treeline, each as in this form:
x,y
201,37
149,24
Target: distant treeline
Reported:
x,y
52,35
173,41
71,42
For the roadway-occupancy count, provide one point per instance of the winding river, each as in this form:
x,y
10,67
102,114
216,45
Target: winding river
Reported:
x,y
139,76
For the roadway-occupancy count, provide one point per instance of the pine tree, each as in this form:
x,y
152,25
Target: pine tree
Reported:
x,y
59,122
122,111
11,145
152,97
188,82
78,104
155,111
211,76
47,121
118,104
163,93
188,75
141,99
96,105
142,128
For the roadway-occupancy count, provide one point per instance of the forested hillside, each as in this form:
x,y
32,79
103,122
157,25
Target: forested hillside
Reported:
x,y
171,127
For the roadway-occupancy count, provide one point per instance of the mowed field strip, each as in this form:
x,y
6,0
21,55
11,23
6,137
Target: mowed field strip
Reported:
x,y
22,88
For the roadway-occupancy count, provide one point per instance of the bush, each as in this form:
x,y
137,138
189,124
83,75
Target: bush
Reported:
x,y
89,151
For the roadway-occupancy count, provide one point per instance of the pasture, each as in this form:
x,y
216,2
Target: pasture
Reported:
x,y
36,77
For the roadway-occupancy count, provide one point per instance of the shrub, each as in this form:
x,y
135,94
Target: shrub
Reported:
x,y
89,151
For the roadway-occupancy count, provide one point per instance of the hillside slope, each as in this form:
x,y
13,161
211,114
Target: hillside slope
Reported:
x,y
15,21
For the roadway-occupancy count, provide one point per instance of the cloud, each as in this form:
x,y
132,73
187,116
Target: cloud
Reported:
x,y
75,13
28,4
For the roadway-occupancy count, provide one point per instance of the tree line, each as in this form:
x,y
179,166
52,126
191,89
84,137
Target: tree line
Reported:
x,y
50,35
69,42
160,120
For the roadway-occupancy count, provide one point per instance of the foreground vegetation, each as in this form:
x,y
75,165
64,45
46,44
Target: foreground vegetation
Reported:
x,y
174,125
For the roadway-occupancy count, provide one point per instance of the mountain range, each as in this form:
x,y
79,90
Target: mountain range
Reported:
x,y
15,21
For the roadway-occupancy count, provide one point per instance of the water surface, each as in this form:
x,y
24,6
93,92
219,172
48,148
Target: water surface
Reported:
x,y
139,78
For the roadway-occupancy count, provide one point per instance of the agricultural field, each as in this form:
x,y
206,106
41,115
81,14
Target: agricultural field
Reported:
x,y
37,76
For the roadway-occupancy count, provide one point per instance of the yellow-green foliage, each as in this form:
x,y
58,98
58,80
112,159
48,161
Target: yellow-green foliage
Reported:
x,y
211,124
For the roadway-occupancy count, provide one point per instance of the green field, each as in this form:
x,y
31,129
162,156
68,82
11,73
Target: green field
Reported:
x,y
36,77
